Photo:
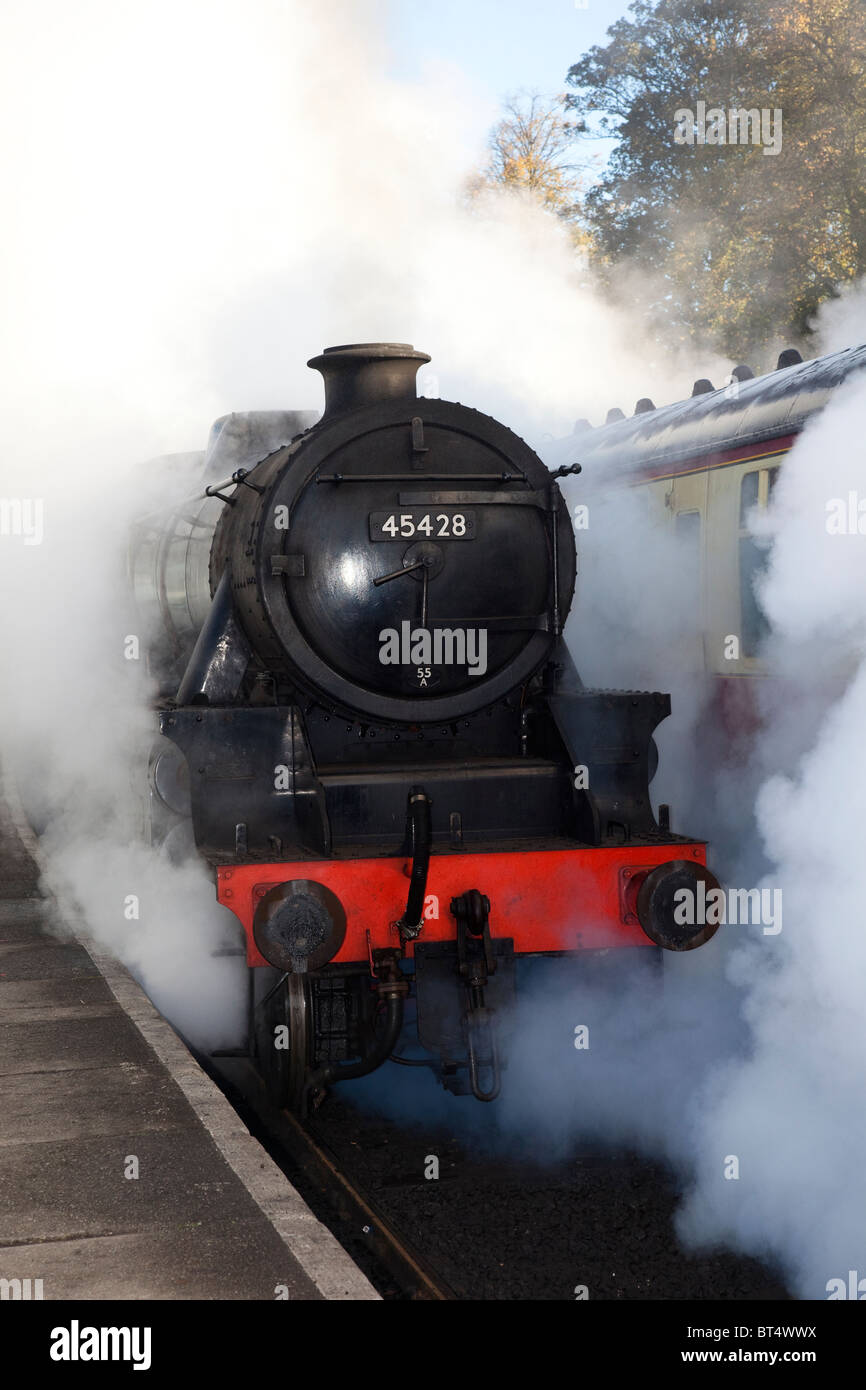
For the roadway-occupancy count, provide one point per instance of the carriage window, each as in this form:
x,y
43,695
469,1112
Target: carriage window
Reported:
x,y
688,534
688,525
687,529
755,491
748,496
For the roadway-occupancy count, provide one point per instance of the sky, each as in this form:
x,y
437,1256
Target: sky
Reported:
x,y
501,46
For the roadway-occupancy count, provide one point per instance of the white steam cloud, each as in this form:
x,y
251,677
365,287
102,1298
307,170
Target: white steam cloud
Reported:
x,y
793,1111
746,1072
199,197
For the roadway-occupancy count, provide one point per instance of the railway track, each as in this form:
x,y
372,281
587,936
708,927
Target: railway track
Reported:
x,y
394,1264
398,1270
495,1225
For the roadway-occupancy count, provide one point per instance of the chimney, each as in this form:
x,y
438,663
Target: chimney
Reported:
x,y
362,374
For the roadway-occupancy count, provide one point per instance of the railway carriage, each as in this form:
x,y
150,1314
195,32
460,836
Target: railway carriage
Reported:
x,y
705,465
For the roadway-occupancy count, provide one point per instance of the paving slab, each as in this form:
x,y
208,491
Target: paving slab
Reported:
x,y
42,1106
82,996
124,1172
114,1183
197,1261
39,1044
36,960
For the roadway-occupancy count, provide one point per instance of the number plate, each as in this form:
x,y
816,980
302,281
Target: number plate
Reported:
x,y
418,523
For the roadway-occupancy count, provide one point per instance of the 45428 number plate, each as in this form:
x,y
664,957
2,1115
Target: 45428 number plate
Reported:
x,y
446,524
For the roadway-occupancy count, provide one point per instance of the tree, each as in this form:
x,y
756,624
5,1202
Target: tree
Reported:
x,y
742,247
531,150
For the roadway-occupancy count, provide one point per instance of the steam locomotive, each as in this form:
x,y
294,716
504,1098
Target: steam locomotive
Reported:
x,y
372,729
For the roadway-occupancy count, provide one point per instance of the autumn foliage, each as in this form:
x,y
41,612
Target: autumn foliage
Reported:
x,y
730,246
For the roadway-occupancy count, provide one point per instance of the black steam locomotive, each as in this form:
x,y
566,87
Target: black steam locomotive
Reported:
x,y
373,731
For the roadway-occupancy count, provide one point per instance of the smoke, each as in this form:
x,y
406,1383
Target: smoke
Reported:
x,y
199,197
792,1112
840,321
745,1071
637,623
742,1067
204,195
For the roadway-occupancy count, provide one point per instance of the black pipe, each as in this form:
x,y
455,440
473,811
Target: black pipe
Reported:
x,y
221,654
420,837
553,510
379,1053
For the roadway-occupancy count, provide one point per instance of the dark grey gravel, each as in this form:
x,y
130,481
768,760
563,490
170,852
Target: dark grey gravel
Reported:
x,y
500,1228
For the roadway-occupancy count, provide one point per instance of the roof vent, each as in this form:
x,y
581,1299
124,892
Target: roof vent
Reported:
x,y
788,358
613,415
742,373
644,406
702,386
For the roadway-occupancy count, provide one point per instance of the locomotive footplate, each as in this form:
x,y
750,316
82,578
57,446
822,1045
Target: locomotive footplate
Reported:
x,y
465,993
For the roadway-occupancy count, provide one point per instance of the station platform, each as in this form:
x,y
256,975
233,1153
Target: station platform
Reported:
x,y
124,1172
